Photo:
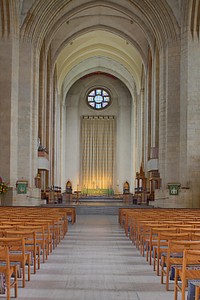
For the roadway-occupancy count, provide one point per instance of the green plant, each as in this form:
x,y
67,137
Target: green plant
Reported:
x,y
3,187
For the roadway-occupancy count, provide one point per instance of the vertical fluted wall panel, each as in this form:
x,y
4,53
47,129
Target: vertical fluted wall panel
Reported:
x,y
195,18
9,18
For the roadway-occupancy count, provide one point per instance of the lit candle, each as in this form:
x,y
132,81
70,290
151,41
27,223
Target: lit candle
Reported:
x,y
140,184
136,183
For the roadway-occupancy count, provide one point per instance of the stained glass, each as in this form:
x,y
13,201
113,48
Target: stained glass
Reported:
x,y
98,99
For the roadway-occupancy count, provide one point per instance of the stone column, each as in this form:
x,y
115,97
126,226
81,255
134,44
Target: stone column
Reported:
x,y
57,148
193,117
9,65
169,125
133,142
169,137
63,144
155,100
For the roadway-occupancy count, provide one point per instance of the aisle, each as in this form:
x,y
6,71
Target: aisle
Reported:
x,y
95,261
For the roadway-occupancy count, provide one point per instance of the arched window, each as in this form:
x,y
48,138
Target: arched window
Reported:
x,y
98,98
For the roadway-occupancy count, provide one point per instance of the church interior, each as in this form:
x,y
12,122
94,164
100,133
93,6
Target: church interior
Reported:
x,y
100,119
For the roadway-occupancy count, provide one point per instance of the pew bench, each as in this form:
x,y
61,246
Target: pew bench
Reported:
x,y
9,269
174,257
190,270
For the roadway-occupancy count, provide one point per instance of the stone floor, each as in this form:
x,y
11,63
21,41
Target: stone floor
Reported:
x,y
95,261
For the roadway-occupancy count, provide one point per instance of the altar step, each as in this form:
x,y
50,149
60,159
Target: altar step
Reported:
x,y
97,210
101,199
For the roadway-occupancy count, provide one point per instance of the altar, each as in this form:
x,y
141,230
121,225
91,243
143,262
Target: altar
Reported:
x,y
97,192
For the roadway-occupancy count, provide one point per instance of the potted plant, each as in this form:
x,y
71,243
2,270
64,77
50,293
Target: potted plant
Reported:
x,y
3,188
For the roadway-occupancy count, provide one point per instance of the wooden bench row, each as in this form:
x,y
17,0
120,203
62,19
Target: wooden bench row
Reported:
x,y
27,237
165,236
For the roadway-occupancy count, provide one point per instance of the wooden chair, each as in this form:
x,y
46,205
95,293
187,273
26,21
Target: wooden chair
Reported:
x,y
45,233
71,211
195,230
190,270
154,238
162,245
18,254
195,236
8,269
53,227
40,238
197,292
175,256
30,244
142,234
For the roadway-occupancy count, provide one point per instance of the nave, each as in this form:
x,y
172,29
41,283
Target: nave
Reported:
x,y
95,261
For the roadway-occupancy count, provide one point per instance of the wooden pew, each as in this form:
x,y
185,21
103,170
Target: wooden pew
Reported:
x,y
30,244
18,254
40,237
7,268
175,256
188,271
162,245
197,292
154,232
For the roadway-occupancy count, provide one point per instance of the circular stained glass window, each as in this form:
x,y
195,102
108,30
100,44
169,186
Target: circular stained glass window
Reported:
x,y
98,99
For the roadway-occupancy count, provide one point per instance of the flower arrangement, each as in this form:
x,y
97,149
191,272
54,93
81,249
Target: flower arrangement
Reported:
x,y
3,188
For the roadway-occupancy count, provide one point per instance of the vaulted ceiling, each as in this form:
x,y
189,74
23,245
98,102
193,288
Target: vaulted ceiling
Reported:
x,y
112,36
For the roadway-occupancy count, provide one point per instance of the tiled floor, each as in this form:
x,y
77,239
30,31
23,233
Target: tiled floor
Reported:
x,y
95,261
